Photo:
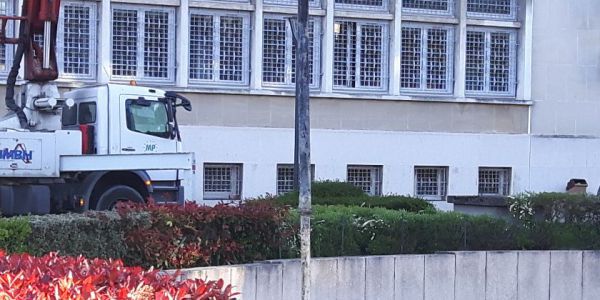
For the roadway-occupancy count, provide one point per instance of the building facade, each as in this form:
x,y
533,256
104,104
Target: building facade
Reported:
x,y
422,97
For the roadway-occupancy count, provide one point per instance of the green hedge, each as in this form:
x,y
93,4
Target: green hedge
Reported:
x,y
346,194
14,233
341,231
559,207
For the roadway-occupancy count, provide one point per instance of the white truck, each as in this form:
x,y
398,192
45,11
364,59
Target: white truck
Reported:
x,y
92,148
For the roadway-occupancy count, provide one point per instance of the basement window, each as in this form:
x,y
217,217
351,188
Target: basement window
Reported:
x,y
494,181
222,181
431,183
368,178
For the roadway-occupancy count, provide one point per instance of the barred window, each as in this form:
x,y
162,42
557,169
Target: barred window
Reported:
x,y
362,4
285,177
76,42
143,43
494,181
492,9
431,183
491,62
312,3
426,58
219,47
222,181
279,52
6,51
360,55
444,7
368,178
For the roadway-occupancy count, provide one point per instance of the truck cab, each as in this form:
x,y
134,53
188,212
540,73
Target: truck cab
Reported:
x,y
111,143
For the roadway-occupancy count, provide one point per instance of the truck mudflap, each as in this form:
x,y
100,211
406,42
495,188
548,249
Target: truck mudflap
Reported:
x,y
18,200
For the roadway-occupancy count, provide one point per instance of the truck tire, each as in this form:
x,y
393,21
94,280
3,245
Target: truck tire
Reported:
x,y
109,198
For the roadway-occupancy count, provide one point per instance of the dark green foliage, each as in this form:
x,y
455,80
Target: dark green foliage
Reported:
x,y
93,234
340,231
346,194
566,208
14,233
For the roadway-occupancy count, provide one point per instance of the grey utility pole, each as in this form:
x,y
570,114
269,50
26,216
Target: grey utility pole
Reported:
x,y
302,136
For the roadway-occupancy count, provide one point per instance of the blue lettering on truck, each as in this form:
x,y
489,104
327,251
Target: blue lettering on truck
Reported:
x,y
19,153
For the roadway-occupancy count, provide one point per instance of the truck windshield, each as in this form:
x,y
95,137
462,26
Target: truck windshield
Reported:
x,y
149,117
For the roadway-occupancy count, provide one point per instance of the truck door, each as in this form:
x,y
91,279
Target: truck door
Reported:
x,y
145,126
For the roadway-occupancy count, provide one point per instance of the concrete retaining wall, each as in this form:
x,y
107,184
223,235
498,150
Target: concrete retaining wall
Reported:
x,y
455,275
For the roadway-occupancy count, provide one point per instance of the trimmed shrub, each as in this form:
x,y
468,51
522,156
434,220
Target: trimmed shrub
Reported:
x,y
327,189
556,208
14,233
93,234
54,277
194,235
407,203
341,231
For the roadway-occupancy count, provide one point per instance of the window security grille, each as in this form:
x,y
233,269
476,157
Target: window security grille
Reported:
x,y
491,62
279,52
492,9
494,181
219,47
426,58
360,55
368,178
143,43
6,51
76,42
431,182
362,4
436,7
285,177
222,181
312,3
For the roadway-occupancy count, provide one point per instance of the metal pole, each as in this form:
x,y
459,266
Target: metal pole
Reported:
x,y
303,125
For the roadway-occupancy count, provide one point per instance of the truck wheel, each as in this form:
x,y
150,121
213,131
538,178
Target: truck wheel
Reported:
x,y
110,197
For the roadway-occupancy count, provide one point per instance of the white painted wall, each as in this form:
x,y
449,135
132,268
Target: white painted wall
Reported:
x,y
553,162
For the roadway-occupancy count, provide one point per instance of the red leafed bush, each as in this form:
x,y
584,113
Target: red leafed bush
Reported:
x,y
196,235
53,277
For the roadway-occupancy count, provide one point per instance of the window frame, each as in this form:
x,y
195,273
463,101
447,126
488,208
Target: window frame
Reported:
x,y
141,11
376,173
385,70
246,55
350,6
93,37
10,32
236,182
432,12
504,184
513,57
491,16
289,57
441,182
425,27
285,182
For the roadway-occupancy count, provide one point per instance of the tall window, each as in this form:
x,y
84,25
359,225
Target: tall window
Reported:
x,y
492,9
368,178
76,41
279,52
431,183
222,181
444,7
491,61
494,181
360,55
426,59
6,51
219,47
143,43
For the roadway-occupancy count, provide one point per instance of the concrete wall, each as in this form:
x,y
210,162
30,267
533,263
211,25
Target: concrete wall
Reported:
x,y
566,67
547,275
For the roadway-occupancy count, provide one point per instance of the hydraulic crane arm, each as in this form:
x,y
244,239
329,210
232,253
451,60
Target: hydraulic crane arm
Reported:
x,y
39,18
